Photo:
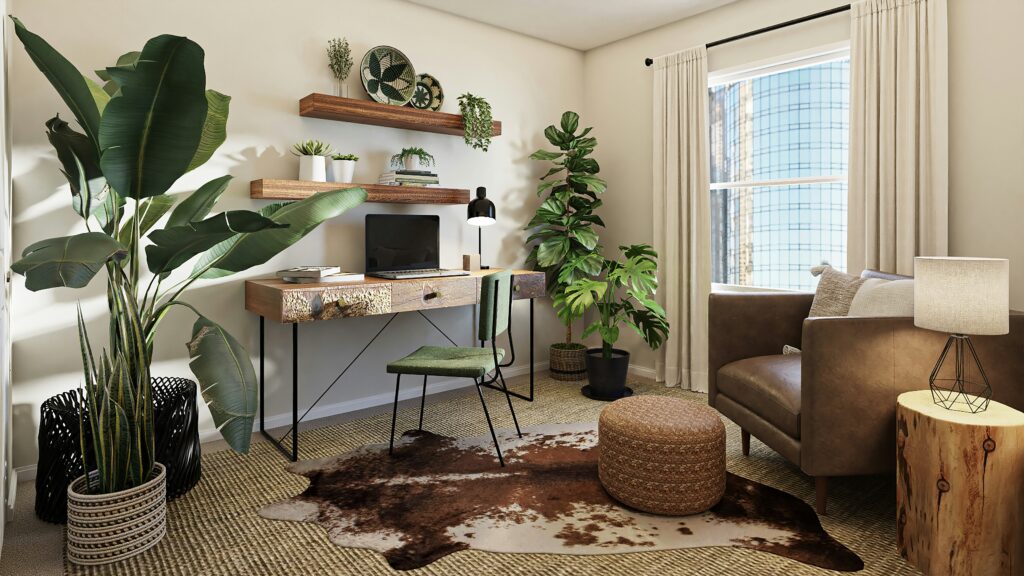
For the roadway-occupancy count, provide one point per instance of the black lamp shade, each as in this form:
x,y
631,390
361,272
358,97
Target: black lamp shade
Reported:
x,y
480,211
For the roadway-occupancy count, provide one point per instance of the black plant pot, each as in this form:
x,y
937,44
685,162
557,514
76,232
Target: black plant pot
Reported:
x,y
607,375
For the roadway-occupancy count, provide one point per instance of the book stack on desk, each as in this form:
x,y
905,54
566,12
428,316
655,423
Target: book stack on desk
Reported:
x,y
421,178
314,274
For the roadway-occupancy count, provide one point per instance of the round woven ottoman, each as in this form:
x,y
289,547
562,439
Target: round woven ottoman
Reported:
x,y
662,455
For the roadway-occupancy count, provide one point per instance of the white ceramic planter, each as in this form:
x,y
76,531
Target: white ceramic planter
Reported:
x,y
105,528
412,163
341,171
313,168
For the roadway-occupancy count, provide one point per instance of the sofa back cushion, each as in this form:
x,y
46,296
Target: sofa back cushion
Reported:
x,y
878,297
835,293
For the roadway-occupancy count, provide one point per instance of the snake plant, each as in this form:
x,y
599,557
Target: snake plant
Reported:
x,y
153,121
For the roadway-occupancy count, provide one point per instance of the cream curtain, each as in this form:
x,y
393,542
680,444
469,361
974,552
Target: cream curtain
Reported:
x,y
899,114
682,214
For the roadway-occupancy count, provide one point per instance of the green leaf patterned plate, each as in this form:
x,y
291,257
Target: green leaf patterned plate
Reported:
x,y
428,94
388,76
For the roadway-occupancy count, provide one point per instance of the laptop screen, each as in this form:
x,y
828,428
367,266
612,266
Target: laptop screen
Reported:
x,y
402,242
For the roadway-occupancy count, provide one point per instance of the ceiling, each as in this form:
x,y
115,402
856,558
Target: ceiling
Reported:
x,y
579,24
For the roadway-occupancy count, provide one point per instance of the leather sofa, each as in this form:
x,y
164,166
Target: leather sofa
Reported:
x,y
831,410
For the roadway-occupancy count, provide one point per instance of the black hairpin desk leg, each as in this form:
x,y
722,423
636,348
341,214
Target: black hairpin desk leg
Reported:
x,y
294,455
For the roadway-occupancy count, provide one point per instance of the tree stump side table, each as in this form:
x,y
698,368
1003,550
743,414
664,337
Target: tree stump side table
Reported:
x,y
958,488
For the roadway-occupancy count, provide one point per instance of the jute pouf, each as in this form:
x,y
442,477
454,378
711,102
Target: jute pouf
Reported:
x,y
662,455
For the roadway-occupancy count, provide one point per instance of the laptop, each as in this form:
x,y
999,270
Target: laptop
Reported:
x,y
402,246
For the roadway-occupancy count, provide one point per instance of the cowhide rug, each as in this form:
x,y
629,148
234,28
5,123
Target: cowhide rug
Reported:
x,y
439,495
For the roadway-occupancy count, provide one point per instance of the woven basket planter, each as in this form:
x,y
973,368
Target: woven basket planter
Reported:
x,y
568,364
105,528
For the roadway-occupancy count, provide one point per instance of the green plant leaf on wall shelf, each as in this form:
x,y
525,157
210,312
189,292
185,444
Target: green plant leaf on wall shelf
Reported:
x,y
151,132
248,250
214,128
199,203
172,247
69,261
227,381
65,78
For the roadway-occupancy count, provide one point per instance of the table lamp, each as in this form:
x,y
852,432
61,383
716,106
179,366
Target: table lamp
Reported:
x,y
480,213
962,297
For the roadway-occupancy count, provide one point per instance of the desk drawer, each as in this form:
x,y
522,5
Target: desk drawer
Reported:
x,y
408,295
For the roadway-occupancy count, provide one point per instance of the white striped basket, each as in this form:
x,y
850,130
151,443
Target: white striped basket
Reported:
x,y
105,528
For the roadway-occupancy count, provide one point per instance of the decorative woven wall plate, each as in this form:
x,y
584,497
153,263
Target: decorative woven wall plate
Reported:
x,y
428,94
388,76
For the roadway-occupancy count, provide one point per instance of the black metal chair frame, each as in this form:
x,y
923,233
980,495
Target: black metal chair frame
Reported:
x,y
479,382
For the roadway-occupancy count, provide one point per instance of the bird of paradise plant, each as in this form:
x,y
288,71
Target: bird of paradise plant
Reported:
x,y
152,121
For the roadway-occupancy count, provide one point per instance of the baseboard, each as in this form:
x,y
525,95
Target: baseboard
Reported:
x,y
643,372
375,401
25,473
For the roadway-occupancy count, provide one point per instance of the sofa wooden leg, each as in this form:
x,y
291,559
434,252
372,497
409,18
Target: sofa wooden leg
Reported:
x,y
820,494
745,438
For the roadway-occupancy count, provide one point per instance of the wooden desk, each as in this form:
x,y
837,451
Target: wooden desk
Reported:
x,y
287,303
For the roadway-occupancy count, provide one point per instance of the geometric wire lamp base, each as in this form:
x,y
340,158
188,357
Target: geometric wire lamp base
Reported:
x,y
958,382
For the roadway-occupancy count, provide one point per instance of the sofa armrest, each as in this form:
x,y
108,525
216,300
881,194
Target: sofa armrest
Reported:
x,y
852,370
748,324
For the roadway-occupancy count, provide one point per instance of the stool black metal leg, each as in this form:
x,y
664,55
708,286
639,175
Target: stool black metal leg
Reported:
x,y
508,397
487,415
394,414
423,400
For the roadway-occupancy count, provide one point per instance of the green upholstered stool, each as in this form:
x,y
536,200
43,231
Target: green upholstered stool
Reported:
x,y
466,362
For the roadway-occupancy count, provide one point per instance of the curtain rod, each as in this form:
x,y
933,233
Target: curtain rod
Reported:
x,y
801,20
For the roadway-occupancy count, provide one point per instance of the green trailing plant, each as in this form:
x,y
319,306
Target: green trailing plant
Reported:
x,y
622,294
153,122
339,58
311,148
564,242
351,157
476,117
424,157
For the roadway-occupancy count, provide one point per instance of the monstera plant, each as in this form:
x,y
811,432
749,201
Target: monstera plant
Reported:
x,y
152,122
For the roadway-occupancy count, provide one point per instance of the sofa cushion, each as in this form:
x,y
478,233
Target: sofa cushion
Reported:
x,y
768,386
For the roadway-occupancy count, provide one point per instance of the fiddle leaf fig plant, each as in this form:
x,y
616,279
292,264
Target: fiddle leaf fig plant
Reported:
x,y
150,123
622,294
564,243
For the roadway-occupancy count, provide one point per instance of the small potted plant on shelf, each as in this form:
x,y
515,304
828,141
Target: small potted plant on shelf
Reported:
x,y
312,160
120,191
564,241
413,159
476,120
622,294
342,168
339,59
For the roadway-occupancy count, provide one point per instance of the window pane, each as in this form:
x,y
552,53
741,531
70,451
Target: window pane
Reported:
x,y
789,124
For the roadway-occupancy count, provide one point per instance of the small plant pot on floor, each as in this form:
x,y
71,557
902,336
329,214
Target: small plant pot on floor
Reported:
x,y
568,362
607,376
105,528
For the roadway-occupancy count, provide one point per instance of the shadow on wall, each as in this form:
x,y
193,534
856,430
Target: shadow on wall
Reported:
x,y
23,426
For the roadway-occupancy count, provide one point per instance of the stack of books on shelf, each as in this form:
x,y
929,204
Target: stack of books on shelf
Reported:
x,y
420,178
314,274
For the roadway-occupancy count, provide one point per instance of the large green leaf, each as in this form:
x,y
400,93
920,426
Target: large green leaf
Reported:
x,y
65,78
248,250
70,261
172,247
199,203
151,132
70,144
214,128
149,212
226,380
126,61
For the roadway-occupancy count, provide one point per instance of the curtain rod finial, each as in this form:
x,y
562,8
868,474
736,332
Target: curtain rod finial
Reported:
x,y
648,61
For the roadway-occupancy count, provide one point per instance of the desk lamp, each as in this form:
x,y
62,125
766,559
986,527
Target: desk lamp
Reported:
x,y
480,213
961,296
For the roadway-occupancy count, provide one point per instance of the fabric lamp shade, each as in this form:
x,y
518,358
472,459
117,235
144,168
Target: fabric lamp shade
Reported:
x,y
480,211
962,295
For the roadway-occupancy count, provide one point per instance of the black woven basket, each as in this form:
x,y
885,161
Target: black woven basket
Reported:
x,y
60,458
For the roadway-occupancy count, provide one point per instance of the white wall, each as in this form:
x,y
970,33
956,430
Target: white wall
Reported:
x,y
267,54
986,135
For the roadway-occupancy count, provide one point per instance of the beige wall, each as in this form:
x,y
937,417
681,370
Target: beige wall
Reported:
x,y
267,54
986,116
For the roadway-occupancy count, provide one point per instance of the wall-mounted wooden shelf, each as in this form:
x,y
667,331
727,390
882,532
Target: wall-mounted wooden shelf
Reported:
x,y
376,114
266,189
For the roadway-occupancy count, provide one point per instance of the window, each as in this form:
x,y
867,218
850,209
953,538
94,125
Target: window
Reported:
x,y
779,147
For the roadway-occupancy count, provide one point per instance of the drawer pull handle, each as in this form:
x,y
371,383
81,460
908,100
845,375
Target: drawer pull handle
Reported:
x,y
431,295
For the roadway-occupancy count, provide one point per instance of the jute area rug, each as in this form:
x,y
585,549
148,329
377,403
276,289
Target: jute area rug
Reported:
x,y
216,530
438,495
